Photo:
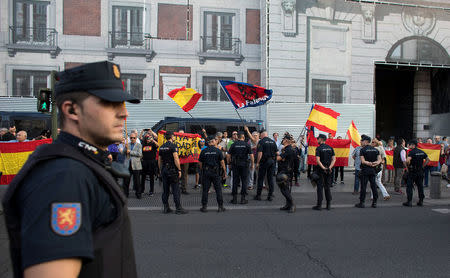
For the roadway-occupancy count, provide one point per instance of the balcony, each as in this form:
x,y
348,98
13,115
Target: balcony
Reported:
x,y
30,39
220,48
130,44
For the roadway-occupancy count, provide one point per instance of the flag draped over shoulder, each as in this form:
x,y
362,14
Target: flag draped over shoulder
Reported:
x,y
187,143
186,98
244,95
14,155
341,150
354,135
390,160
312,145
324,119
433,151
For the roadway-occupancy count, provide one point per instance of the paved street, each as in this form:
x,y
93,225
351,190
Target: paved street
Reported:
x,y
258,240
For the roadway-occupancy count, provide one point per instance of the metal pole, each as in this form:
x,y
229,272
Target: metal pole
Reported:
x,y
188,21
54,108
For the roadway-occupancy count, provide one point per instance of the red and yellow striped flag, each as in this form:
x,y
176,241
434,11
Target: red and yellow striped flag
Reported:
x,y
14,155
312,145
341,150
323,118
433,151
390,160
186,98
353,135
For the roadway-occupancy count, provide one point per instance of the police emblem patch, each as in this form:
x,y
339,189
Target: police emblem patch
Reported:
x,y
66,218
116,71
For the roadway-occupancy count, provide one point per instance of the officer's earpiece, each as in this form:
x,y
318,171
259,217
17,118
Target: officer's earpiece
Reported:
x,y
72,111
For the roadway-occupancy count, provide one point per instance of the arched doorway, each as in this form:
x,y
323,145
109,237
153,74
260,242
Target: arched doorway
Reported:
x,y
404,86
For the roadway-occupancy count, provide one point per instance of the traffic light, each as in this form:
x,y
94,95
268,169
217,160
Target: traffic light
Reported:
x,y
44,100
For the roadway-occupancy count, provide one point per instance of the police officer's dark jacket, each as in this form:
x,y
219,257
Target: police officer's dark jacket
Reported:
x,y
76,210
239,152
166,153
325,153
210,157
269,149
417,158
287,164
370,154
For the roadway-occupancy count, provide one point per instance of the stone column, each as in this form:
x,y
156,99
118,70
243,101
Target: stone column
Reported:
x,y
422,104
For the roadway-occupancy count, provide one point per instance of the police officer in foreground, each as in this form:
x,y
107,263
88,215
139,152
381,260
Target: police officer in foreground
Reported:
x,y
286,171
417,160
169,163
238,157
370,159
266,163
65,213
211,162
325,158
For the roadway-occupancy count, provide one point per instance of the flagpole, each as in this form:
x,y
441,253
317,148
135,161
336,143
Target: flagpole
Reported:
x,y
304,127
239,116
199,123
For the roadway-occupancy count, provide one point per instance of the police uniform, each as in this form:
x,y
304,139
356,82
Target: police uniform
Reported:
x,y
64,203
368,174
267,165
149,164
415,175
285,167
325,154
169,175
239,152
211,158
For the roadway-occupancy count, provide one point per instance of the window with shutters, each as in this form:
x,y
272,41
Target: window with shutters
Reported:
x,y
127,26
212,91
26,83
134,84
327,91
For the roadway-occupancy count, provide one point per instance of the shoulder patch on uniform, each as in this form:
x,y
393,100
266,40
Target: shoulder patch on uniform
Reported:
x,y
66,218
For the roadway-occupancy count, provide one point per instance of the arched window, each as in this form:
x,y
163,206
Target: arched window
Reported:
x,y
418,50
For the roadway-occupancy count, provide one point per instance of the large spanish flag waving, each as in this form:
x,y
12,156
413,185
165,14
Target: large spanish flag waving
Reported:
x,y
324,119
186,98
341,150
353,135
433,151
14,155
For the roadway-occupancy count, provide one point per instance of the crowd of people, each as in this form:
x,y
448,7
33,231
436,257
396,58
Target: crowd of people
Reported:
x,y
251,160
11,134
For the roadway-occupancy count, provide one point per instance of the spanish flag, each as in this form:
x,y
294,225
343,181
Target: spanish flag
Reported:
x,y
433,151
390,160
341,150
14,155
324,119
312,145
186,98
353,135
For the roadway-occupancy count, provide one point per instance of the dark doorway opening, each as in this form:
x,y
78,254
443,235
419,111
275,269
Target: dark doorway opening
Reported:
x,y
394,101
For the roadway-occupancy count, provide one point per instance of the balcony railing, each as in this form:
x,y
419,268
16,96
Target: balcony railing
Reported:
x,y
33,39
220,48
130,44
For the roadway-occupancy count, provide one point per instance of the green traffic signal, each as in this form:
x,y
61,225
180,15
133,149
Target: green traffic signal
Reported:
x,y
44,100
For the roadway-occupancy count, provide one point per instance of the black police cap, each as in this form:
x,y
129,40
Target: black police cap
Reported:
x,y
412,142
210,138
101,79
322,136
365,138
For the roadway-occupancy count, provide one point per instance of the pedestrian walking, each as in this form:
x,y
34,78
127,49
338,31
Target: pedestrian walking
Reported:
x,y
286,171
416,161
65,213
379,146
370,160
325,158
211,163
169,163
266,162
238,157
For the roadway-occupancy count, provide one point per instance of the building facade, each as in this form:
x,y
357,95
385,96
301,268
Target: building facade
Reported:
x,y
383,66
